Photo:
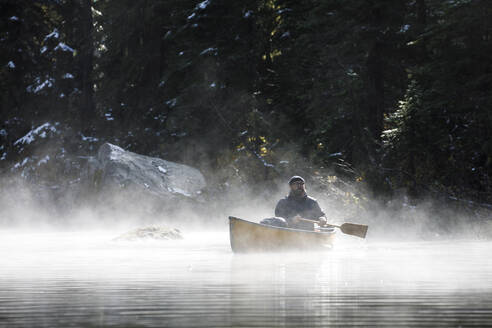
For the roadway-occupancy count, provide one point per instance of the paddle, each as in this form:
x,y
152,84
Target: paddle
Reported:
x,y
353,229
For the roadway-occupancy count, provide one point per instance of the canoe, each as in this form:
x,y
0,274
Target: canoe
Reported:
x,y
249,236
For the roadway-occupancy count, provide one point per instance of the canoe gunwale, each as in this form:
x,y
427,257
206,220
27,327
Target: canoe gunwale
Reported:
x,y
282,228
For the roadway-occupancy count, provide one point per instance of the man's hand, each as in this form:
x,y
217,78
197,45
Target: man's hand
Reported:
x,y
322,221
296,219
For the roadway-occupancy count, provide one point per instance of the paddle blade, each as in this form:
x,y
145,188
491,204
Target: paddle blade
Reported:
x,y
353,229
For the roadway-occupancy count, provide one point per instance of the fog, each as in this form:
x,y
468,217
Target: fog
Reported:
x,y
87,279
29,207
61,265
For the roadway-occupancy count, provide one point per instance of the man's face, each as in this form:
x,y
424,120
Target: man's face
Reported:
x,y
298,188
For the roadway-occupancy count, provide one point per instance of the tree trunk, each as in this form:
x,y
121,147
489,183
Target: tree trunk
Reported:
x,y
375,91
87,109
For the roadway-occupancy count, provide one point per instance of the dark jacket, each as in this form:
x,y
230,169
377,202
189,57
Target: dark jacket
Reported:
x,y
306,207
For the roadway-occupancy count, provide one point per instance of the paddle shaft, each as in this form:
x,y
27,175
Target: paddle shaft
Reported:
x,y
314,221
353,229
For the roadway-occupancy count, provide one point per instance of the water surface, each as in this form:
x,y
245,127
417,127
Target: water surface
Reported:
x,y
84,279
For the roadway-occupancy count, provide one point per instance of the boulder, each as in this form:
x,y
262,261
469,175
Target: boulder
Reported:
x,y
151,232
116,168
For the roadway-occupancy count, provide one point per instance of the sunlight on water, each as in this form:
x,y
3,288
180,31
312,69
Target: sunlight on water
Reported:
x,y
85,279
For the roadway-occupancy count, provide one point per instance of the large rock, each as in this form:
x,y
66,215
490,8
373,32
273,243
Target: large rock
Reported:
x,y
116,168
152,232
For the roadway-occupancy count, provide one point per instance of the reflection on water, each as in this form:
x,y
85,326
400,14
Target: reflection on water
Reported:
x,y
85,279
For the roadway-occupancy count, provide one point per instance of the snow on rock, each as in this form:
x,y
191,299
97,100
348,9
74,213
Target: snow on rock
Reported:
x,y
108,117
179,191
404,28
43,49
14,18
122,169
209,50
171,102
44,160
3,133
53,34
11,64
203,4
89,139
281,11
335,154
63,47
67,76
38,85
152,232
21,164
40,131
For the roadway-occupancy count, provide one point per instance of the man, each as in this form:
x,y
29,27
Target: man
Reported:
x,y
298,205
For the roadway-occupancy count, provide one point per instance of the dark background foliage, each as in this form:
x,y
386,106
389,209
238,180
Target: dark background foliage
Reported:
x,y
393,94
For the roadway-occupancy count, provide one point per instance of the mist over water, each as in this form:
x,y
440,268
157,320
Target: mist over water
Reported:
x,y
86,279
61,268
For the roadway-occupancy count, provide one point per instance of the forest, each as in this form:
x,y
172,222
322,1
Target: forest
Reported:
x,y
394,96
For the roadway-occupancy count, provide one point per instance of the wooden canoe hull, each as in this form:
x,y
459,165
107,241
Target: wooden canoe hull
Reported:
x,y
248,236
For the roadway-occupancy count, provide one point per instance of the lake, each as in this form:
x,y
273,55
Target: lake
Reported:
x,y
85,279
